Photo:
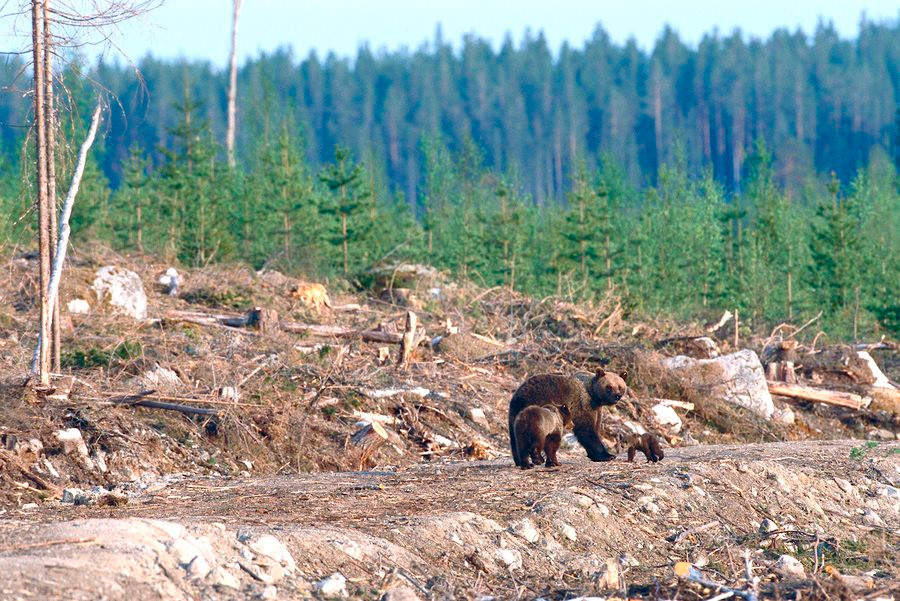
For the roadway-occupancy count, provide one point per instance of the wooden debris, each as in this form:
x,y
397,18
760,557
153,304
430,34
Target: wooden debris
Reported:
x,y
412,337
264,320
366,441
819,395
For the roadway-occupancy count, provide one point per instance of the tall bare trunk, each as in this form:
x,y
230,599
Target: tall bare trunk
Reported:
x,y
50,158
232,87
40,124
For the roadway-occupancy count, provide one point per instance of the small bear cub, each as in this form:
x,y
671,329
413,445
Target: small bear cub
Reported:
x,y
646,444
539,429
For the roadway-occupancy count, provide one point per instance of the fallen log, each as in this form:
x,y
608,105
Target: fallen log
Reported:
x,y
819,395
140,400
325,331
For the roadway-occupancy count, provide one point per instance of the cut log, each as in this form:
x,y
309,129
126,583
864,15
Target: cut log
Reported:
x,y
264,320
819,395
366,441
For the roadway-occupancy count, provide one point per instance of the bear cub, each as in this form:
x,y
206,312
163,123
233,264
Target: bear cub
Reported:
x,y
539,429
646,444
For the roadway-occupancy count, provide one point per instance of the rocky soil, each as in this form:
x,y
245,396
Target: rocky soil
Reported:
x,y
261,491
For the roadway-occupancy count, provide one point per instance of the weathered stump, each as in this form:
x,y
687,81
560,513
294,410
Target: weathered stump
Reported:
x,y
264,320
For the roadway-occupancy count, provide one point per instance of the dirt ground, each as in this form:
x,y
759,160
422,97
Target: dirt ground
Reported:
x,y
267,496
474,529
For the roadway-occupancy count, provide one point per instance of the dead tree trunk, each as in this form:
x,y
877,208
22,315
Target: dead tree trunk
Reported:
x,y
44,218
50,158
232,87
412,336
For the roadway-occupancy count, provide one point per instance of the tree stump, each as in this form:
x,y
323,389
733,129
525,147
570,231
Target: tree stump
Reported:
x,y
264,320
412,336
367,440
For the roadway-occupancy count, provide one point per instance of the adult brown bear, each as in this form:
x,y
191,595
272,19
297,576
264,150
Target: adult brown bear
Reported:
x,y
583,401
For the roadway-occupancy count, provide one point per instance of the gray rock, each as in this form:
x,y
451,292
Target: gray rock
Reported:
x,y
198,568
273,548
510,558
224,578
270,592
476,414
121,289
72,442
870,518
332,586
790,567
766,526
76,496
526,529
567,530
737,378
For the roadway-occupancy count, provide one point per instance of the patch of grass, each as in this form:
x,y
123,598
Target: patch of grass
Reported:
x,y
236,297
860,451
98,357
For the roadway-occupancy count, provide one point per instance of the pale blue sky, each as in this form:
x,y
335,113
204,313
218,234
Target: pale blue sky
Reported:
x,y
200,28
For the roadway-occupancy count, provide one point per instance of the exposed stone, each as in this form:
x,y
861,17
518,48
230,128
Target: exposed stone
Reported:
x,y
567,531
667,418
170,281
870,518
122,289
737,378
162,379
476,414
332,586
273,548
78,306
767,526
270,592
526,529
510,558
72,442
790,567
223,577
198,568
844,485
784,415
400,593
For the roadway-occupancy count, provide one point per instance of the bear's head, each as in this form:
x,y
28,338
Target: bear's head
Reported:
x,y
607,388
565,414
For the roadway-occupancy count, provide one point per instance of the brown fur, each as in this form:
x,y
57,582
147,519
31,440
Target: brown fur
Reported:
x,y
583,400
646,444
539,430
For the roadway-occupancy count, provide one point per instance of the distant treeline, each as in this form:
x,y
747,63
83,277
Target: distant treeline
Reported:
x,y
821,104
515,169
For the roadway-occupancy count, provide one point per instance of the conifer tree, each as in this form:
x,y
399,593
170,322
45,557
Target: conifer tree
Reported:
x,y
350,201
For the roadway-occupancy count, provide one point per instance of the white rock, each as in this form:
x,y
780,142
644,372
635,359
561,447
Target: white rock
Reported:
x,y
737,378
49,466
767,526
890,492
72,441
870,518
184,551
526,529
569,442
272,548
511,558
78,306
99,459
224,578
270,592
161,378
122,289
567,531
476,414
170,281
333,586
198,568
667,418
844,485
790,566
785,416
28,506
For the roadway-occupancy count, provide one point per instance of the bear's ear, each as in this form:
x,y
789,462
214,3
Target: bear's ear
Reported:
x,y
600,372
624,374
